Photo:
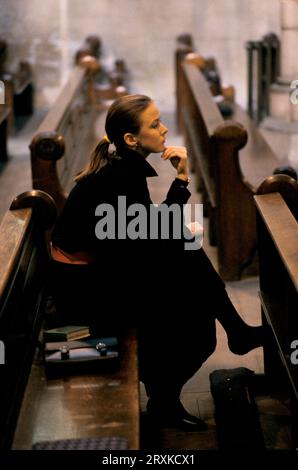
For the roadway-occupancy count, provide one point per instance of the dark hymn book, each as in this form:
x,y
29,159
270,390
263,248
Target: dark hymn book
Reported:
x,y
66,333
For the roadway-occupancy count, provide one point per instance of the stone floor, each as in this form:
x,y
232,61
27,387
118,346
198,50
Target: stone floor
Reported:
x,y
274,414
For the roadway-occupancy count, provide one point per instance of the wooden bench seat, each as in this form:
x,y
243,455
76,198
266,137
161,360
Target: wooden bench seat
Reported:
x,y
230,159
277,224
98,405
105,404
19,87
5,112
23,273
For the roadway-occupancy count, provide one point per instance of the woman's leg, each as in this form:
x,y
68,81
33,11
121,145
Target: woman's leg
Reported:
x,y
213,297
168,358
242,337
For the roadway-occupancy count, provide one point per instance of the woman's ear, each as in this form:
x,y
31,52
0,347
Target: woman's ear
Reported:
x,y
130,140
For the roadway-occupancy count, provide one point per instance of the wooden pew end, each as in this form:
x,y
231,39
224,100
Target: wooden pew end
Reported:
x,y
42,204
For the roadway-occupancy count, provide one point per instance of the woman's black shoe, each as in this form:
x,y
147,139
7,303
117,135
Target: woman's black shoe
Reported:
x,y
173,414
248,338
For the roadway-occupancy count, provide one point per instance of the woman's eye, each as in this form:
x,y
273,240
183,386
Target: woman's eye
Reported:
x,y
155,125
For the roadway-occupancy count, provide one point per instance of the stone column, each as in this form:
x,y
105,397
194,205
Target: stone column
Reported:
x,y
289,40
281,126
280,103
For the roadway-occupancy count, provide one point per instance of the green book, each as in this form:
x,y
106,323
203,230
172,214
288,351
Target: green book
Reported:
x,y
66,333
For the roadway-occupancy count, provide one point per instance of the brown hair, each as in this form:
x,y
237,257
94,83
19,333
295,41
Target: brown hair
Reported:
x,y
123,116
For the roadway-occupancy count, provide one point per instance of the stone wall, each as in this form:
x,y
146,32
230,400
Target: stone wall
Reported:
x,y
140,31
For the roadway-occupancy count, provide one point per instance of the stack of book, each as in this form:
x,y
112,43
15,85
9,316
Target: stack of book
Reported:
x,y
66,333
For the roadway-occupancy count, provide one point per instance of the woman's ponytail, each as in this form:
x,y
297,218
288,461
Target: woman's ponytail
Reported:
x,y
98,160
124,116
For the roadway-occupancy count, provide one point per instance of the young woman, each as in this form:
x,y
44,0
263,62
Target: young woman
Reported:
x,y
171,294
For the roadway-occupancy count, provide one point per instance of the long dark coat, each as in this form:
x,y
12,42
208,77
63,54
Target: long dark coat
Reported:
x,y
169,293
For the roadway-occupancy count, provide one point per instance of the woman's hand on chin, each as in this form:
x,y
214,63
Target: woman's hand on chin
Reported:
x,y
179,159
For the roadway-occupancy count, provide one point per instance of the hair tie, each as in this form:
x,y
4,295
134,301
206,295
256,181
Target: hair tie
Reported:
x,y
105,137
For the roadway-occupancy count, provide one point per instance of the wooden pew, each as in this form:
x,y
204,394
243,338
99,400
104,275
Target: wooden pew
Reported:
x,y
112,398
5,106
185,50
5,112
107,84
68,131
23,272
90,47
277,225
184,47
119,76
231,159
19,87
99,405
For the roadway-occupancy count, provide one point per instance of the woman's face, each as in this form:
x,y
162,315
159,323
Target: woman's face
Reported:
x,y
152,135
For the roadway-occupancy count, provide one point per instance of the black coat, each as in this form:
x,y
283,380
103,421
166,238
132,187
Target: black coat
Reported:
x,y
124,176
158,272
169,293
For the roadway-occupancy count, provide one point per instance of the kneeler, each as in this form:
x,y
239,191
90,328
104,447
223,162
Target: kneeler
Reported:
x,y
87,443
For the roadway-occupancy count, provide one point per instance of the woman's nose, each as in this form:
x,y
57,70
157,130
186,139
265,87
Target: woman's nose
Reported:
x,y
164,129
